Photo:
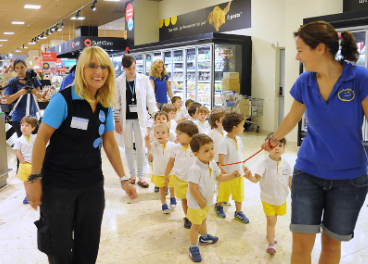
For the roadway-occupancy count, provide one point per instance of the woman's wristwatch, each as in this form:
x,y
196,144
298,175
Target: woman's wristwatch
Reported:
x,y
33,177
124,178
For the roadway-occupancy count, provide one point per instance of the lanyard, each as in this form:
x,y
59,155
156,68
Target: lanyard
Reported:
x,y
131,89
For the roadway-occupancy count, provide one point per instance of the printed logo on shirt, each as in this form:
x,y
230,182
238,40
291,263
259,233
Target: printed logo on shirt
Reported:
x,y
346,95
285,172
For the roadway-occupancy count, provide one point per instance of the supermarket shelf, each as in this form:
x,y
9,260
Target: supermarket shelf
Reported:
x,y
204,70
204,81
203,60
178,61
191,61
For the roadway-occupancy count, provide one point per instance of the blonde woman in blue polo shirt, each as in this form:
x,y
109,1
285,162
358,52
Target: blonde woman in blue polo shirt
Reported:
x,y
160,82
330,179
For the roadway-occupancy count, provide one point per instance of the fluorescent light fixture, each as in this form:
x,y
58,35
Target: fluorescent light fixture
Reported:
x,y
43,37
60,29
32,6
17,22
17,50
3,40
79,18
25,48
1,45
31,43
8,33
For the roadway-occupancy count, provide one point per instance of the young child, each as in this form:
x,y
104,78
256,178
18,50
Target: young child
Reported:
x,y
274,175
230,152
171,113
193,112
181,159
187,104
217,132
180,113
160,149
201,179
23,149
203,125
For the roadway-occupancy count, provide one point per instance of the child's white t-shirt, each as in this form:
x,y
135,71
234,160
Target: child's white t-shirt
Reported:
x,y
232,154
274,182
199,173
172,126
180,114
217,138
161,157
194,121
204,127
25,147
184,159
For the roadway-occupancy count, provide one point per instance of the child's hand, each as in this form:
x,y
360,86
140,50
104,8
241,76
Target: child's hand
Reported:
x,y
147,138
149,157
235,174
247,173
167,179
203,204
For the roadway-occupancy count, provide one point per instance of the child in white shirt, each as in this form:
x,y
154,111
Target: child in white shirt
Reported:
x,y
180,113
203,125
217,132
160,149
201,178
230,152
274,175
187,104
193,112
171,113
23,149
181,159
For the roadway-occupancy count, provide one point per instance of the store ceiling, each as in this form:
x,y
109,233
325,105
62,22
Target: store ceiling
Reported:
x,y
50,13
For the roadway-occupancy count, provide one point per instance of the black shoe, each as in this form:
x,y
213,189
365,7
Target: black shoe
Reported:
x,y
187,223
156,189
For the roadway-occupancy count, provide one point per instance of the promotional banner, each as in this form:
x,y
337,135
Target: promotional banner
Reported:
x,y
129,23
228,16
354,5
49,62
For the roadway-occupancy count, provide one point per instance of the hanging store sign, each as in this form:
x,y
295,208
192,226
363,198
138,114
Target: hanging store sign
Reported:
x,y
129,23
354,5
49,62
228,16
71,47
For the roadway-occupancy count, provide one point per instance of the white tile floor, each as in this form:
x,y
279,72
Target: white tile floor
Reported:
x,y
137,231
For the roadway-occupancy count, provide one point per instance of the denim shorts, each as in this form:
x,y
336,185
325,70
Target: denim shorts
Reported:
x,y
333,205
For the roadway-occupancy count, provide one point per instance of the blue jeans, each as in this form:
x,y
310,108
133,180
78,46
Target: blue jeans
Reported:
x,y
160,105
333,205
133,128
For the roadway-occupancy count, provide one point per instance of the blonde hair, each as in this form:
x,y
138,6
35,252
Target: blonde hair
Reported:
x,y
106,94
153,70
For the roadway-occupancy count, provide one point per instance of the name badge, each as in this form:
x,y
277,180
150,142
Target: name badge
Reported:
x,y
79,123
133,108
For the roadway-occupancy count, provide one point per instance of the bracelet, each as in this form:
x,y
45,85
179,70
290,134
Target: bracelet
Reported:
x,y
274,139
33,177
270,145
117,121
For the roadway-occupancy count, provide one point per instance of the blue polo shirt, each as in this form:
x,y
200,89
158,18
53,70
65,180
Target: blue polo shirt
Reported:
x,y
160,88
333,148
68,80
57,111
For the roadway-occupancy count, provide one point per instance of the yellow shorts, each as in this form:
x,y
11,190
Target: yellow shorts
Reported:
x,y
180,188
234,187
270,209
159,181
197,216
24,171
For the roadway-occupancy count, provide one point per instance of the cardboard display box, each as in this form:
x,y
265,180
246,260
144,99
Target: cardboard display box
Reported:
x,y
230,81
231,75
231,87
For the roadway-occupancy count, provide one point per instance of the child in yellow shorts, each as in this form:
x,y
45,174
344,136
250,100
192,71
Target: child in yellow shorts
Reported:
x,y
201,178
160,149
274,175
230,152
181,159
23,149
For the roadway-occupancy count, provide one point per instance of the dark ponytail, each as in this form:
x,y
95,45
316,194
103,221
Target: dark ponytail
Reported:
x,y
349,48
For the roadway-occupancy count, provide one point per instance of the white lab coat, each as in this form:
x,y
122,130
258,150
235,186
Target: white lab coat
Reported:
x,y
145,98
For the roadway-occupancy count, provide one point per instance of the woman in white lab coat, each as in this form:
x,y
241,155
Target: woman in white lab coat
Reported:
x,y
135,94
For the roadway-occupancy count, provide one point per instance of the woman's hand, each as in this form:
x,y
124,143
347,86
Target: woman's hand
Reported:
x,y
130,190
266,145
118,128
34,193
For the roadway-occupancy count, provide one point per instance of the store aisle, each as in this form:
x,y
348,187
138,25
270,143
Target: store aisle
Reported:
x,y
138,232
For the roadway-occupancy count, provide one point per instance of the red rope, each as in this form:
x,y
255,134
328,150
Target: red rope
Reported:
x,y
241,161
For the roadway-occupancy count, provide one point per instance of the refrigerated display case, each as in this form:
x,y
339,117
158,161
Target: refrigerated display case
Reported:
x,y
357,23
196,64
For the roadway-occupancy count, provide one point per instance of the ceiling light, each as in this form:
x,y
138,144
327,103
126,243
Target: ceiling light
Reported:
x,y
47,32
31,43
56,28
1,45
52,29
62,23
3,40
17,22
80,18
17,50
93,7
25,48
8,33
32,6
77,15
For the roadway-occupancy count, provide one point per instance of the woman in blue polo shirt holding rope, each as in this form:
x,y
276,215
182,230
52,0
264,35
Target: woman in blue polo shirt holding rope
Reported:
x,y
160,83
330,179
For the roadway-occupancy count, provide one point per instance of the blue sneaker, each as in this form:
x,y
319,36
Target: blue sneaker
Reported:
x,y
240,216
25,201
165,209
194,254
173,202
219,210
209,239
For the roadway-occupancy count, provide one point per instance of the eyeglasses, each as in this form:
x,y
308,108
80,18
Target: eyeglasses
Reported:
x,y
94,67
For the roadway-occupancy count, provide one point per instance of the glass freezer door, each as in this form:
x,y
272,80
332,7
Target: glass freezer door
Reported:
x,y
178,74
148,61
191,75
167,58
139,63
204,76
